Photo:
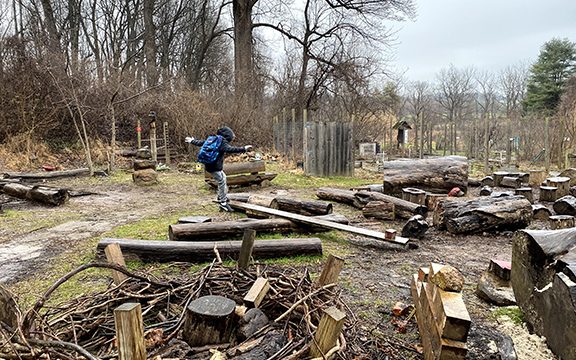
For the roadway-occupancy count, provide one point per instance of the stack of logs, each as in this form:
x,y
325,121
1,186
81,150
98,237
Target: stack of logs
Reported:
x,y
144,168
443,320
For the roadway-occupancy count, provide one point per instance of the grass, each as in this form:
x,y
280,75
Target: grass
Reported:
x,y
295,178
512,312
30,221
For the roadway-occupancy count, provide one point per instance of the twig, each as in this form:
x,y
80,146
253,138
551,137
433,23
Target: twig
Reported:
x,y
64,345
325,287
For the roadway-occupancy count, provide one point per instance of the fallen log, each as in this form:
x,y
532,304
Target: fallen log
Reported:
x,y
543,279
188,251
379,210
342,196
511,182
41,194
49,175
402,209
251,167
433,175
566,205
303,207
483,214
244,180
372,187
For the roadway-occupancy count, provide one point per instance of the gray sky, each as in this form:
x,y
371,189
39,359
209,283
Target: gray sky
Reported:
x,y
487,34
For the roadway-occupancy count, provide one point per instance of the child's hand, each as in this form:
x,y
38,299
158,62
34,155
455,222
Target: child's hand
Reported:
x,y
188,139
248,148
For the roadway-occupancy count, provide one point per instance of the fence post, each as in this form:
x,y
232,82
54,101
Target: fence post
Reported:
x,y
130,332
293,131
114,256
166,148
246,249
328,332
139,133
153,149
546,144
305,140
284,133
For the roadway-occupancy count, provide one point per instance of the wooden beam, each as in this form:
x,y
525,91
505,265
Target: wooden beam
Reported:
x,y
328,332
331,270
246,249
257,292
114,256
309,220
130,332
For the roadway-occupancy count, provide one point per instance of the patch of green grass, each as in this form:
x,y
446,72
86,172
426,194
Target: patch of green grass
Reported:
x,y
512,312
293,260
29,221
295,179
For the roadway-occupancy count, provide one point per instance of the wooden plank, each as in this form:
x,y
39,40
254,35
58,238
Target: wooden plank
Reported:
x,y
246,249
331,270
114,256
309,220
130,332
328,332
257,292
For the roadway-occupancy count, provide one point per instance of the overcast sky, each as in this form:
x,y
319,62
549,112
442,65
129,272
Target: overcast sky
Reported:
x,y
488,34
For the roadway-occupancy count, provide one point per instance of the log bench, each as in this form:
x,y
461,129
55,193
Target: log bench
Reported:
x,y
243,174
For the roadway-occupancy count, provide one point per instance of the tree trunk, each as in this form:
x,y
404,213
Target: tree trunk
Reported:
x,y
402,209
48,175
434,175
250,167
483,214
193,251
379,210
342,196
543,279
243,50
40,194
150,51
566,205
209,320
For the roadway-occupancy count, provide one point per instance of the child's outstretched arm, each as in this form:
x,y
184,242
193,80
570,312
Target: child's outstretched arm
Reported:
x,y
191,140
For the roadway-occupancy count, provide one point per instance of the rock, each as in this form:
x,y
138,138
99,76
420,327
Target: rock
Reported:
x,y
251,322
506,348
495,290
145,177
448,278
487,181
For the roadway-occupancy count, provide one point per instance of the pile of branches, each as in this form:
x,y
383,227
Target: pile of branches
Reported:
x,y
85,327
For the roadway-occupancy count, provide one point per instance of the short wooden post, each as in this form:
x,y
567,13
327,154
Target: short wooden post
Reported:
x,y
209,320
331,270
526,192
130,332
166,147
548,193
562,183
284,133
153,148
257,293
114,256
328,332
139,133
246,249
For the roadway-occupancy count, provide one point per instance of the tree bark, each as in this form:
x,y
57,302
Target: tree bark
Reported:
x,y
303,207
150,51
483,214
434,175
543,278
403,209
342,196
251,167
511,182
243,50
165,251
566,205
40,194
379,210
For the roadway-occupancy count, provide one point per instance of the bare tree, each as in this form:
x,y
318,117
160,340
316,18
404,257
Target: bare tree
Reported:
x,y
419,106
512,83
487,100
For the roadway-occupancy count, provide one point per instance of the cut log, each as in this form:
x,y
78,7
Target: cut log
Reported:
x,y
48,175
434,175
541,212
145,177
561,183
379,210
483,214
209,320
569,173
510,182
474,182
342,196
498,176
41,194
415,227
188,251
544,283
486,191
317,222
144,164
244,180
302,207
402,208
373,187
487,181
433,199
537,177
252,167
561,221
414,195
566,205
526,192
548,193
242,197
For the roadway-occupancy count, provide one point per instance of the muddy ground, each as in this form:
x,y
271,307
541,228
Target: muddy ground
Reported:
x,y
34,237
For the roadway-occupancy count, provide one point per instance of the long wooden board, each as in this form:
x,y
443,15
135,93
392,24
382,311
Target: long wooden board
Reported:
x,y
309,220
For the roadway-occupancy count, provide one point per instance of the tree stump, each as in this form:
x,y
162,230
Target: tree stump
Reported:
x,y
414,195
548,193
415,227
486,191
209,320
560,182
526,192
498,176
569,173
432,200
541,212
537,177
487,181
145,177
561,221
566,205
511,182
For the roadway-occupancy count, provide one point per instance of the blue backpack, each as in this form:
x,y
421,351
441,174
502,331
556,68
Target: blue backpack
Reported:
x,y
210,149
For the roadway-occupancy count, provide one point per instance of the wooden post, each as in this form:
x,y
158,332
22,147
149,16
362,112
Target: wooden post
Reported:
x,y
257,293
153,149
487,146
293,130
305,140
246,249
276,135
328,332
166,147
114,256
331,270
139,133
546,145
284,133
130,332
209,320
421,147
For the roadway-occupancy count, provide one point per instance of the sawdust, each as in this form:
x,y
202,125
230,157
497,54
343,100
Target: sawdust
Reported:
x,y
528,346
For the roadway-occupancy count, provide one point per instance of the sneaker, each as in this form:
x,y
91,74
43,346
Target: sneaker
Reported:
x,y
225,207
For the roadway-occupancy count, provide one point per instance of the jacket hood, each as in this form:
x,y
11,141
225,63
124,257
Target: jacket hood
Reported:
x,y
226,133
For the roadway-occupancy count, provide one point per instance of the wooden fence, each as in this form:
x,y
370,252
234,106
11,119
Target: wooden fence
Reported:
x,y
328,149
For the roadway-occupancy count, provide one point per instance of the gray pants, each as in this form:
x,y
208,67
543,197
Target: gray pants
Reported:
x,y
220,178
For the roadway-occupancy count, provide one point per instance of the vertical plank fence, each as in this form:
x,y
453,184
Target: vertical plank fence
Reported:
x,y
329,149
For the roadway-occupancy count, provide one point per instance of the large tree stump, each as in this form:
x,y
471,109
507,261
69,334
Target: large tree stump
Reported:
x,y
209,320
145,177
543,279
548,193
561,221
526,192
144,164
434,175
561,183
483,214
566,205
541,212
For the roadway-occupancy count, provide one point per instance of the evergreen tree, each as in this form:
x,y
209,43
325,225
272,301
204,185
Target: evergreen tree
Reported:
x,y
548,75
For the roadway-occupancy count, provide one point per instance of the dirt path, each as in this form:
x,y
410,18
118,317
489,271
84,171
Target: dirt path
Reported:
x,y
373,279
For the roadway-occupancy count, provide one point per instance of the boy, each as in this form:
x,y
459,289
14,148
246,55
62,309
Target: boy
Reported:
x,y
215,168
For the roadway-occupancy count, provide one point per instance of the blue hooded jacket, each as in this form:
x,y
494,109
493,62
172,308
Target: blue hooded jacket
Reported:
x,y
227,137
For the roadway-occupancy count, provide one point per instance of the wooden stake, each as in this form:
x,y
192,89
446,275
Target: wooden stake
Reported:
x,y
139,133
114,256
153,148
328,332
130,332
293,129
166,148
257,293
331,270
246,249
